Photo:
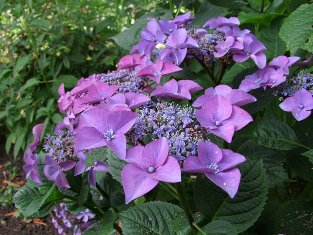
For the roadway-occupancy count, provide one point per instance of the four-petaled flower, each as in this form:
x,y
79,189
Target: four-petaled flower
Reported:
x,y
177,90
131,61
146,167
219,165
85,215
252,49
126,101
271,76
234,96
177,44
157,70
221,118
100,127
300,105
96,166
153,32
54,171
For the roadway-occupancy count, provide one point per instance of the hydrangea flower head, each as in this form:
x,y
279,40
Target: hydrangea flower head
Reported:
x,y
147,166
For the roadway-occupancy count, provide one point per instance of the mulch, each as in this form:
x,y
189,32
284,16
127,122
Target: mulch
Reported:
x,y
10,224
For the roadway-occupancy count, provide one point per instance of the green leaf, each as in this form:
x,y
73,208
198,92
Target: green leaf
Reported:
x,y
243,210
150,218
207,11
237,71
10,139
21,63
41,23
56,118
29,83
219,227
273,161
258,18
204,194
275,134
32,197
309,155
297,29
116,165
300,166
181,225
98,154
84,191
275,46
68,80
103,226
231,4
20,141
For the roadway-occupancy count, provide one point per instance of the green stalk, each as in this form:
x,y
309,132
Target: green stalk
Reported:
x,y
171,2
185,205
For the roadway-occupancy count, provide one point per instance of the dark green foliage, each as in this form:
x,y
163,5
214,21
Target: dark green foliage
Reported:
x,y
46,44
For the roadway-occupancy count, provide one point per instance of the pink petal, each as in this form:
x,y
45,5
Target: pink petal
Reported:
x,y
190,85
92,177
240,57
239,97
219,106
136,182
223,90
37,131
61,181
227,180
121,121
225,131
134,156
259,59
94,117
177,37
168,172
205,118
135,100
118,145
300,114
193,165
288,104
168,68
199,102
67,165
156,152
209,153
88,138
240,118
230,160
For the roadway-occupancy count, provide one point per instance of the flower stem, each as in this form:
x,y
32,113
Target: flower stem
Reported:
x,y
103,194
185,205
199,229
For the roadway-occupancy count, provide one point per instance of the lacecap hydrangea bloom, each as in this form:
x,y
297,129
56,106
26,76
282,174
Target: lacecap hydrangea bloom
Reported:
x,y
159,126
